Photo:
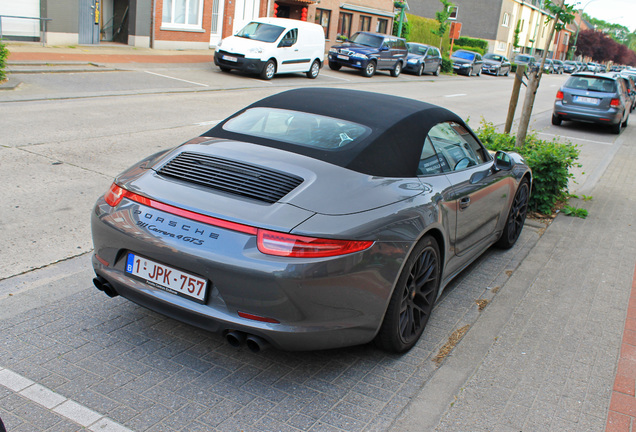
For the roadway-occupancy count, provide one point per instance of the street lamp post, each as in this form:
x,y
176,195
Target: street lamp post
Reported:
x,y
578,29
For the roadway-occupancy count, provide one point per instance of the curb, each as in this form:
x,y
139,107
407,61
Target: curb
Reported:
x,y
11,83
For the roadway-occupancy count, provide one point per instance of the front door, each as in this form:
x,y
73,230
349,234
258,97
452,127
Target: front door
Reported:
x,y
244,12
216,30
89,11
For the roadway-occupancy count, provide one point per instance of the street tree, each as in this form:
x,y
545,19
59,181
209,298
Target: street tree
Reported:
x,y
442,17
559,16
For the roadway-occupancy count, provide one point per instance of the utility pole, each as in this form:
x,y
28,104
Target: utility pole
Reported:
x,y
534,78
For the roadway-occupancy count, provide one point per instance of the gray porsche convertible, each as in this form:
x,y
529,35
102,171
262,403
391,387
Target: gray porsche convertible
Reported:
x,y
315,218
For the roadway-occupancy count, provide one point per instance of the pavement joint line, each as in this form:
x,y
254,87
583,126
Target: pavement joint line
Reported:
x,y
57,403
177,79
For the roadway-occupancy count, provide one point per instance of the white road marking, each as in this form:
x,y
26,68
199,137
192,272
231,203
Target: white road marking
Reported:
x,y
207,123
455,95
178,79
577,139
336,77
59,404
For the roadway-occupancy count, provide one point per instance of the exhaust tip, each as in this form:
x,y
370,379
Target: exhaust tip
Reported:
x,y
235,338
103,285
256,343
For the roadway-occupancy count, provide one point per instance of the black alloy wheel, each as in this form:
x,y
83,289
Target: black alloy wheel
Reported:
x,y
413,298
516,216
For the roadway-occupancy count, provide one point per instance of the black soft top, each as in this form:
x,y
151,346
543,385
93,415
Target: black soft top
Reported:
x,y
392,149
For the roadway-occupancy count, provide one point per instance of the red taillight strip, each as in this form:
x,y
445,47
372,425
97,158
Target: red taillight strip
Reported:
x,y
268,242
258,318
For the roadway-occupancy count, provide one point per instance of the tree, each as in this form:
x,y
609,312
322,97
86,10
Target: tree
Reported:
x,y
442,18
560,16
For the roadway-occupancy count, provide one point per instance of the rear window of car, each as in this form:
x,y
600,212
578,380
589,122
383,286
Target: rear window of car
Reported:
x,y
591,83
310,130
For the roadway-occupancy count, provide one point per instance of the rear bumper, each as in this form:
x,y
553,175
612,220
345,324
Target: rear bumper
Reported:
x,y
588,115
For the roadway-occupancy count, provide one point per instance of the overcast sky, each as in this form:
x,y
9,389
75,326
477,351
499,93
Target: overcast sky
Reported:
x,y
613,11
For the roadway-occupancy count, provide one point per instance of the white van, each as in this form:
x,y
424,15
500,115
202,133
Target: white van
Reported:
x,y
268,46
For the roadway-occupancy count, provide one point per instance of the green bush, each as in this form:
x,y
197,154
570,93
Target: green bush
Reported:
x,y
4,53
478,45
406,27
550,162
421,31
447,64
469,48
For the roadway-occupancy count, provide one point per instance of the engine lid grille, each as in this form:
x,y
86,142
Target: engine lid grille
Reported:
x,y
230,176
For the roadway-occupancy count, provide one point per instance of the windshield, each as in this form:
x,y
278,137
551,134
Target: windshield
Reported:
x,y
367,40
260,32
417,49
464,55
526,59
310,130
493,57
591,83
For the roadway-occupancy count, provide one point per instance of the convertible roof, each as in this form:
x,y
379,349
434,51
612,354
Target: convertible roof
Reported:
x,y
398,128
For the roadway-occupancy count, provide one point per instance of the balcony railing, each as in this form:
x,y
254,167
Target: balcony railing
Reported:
x,y
42,21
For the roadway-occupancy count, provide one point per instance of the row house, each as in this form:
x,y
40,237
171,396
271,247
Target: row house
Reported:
x,y
180,24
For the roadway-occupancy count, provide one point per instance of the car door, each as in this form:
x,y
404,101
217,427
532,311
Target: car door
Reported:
x,y
385,60
477,64
431,60
289,54
480,195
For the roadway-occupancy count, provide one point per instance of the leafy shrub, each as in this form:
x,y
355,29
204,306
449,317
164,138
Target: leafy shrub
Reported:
x,y
479,45
550,162
4,53
447,64
420,30
469,48
406,27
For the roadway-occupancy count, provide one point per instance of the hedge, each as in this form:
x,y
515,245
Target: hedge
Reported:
x,y
478,45
4,53
421,31
469,48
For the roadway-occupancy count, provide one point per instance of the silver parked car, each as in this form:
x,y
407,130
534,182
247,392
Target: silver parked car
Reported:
x,y
496,64
309,225
593,98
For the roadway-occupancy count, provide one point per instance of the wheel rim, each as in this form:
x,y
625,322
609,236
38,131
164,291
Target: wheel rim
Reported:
x,y
419,295
314,69
270,70
370,69
518,213
421,70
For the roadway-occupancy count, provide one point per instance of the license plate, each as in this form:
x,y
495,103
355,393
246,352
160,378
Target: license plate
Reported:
x,y
589,100
230,58
343,57
167,278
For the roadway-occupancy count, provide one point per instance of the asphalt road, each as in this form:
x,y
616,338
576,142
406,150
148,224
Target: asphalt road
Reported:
x,y
66,136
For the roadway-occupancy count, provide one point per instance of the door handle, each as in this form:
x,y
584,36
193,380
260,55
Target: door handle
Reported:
x,y
464,203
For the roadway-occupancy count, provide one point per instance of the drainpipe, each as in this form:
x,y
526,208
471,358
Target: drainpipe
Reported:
x,y
153,22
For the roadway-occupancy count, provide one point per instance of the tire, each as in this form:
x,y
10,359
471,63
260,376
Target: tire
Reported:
x,y
478,72
625,122
616,129
269,70
516,216
556,120
225,69
334,66
369,70
438,70
395,72
314,70
413,298
420,71
507,72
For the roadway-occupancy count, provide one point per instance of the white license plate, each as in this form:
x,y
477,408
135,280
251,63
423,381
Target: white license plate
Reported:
x,y
343,57
230,58
167,278
589,100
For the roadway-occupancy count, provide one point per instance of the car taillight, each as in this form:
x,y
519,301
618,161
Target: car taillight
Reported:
x,y
559,95
615,102
114,195
287,245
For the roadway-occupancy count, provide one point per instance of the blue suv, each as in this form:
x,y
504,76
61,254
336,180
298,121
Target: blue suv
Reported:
x,y
369,52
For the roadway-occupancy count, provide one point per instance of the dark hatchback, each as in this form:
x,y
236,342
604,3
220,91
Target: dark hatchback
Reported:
x,y
467,62
496,64
370,52
423,59
593,98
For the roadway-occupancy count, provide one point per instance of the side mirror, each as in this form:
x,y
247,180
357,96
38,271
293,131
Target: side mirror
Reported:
x,y
503,161
384,48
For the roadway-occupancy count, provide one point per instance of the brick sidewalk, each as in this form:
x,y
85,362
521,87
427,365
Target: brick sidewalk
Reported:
x,y
622,411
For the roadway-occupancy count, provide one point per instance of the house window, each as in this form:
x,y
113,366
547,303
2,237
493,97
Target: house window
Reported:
x,y
506,20
323,17
566,39
382,25
501,46
182,14
365,23
344,24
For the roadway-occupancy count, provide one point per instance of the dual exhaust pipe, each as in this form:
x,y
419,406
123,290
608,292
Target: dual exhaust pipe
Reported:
x,y
103,285
254,343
